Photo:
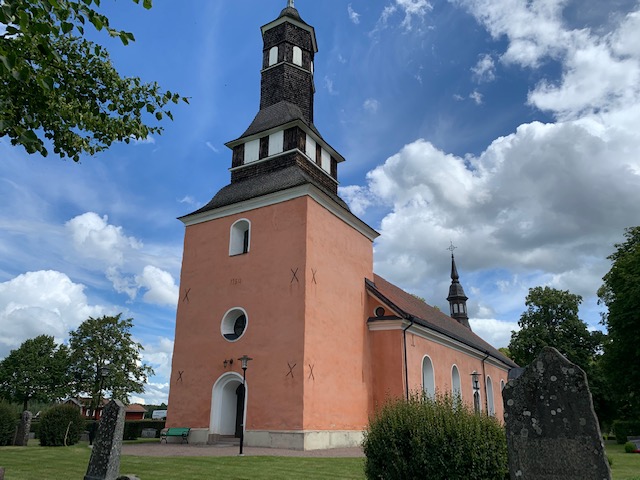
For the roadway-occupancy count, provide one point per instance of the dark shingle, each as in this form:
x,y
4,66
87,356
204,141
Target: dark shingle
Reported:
x,y
275,115
423,314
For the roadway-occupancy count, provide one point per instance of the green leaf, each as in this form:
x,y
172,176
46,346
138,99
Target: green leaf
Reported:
x,y
67,27
147,4
159,115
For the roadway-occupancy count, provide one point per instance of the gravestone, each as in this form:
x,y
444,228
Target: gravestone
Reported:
x,y
149,433
1,473
104,463
22,437
552,430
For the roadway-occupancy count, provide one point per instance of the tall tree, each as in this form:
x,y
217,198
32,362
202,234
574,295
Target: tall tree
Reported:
x,y
58,86
551,319
37,370
107,342
621,294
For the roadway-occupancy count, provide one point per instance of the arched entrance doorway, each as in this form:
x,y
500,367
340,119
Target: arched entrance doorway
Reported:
x,y
227,405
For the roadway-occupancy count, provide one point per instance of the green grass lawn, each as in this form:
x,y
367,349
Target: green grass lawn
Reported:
x,y
44,463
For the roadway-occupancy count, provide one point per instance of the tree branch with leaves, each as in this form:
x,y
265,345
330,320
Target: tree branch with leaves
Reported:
x,y
58,87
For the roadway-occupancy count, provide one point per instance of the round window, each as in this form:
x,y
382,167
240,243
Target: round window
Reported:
x,y
234,323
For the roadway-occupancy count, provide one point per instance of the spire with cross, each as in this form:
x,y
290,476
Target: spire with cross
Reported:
x,y
457,299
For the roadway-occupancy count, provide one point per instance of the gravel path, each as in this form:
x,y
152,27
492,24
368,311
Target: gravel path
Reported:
x,y
184,450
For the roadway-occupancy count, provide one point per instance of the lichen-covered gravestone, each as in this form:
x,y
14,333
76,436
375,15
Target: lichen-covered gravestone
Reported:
x,y
552,430
104,463
22,437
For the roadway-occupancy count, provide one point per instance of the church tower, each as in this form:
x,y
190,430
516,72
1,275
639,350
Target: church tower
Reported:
x,y
457,299
274,268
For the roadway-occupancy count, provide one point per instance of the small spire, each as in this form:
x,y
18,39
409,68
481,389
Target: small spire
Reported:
x,y
454,270
290,4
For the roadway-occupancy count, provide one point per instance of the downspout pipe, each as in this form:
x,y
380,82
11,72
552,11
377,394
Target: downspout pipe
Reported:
x,y
406,372
484,379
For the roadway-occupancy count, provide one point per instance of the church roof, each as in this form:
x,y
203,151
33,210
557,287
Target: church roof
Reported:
x,y
265,184
275,115
412,308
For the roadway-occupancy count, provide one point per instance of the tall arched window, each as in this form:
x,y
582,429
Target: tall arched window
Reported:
x,y
456,388
491,410
273,56
297,56
428,377
240,237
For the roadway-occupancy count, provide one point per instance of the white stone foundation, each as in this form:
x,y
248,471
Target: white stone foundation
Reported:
x,y
303,440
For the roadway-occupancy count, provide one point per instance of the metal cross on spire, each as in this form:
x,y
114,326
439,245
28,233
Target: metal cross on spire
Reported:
x,y
451,248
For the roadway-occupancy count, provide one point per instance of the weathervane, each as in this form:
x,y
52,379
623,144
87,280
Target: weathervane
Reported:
x,y
451,248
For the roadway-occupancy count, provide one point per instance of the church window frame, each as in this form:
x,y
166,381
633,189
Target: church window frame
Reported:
x,y
240,237
234,324
273,56
456,382
297,56
491,408
428,377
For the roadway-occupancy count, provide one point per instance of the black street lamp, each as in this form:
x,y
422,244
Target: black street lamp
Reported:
x,y
475,380
101,374
245,360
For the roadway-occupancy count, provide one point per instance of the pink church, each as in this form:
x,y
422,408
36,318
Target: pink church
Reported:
x,y
276,267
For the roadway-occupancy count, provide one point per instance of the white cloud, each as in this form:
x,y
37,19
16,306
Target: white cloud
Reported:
x,y
371,105
353,15
476,96
161,288
94,238
411,9
188,199
143,141
211,147
495,332
485,69
328,84
42,302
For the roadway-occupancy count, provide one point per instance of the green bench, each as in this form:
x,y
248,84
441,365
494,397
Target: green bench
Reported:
x,y
175,432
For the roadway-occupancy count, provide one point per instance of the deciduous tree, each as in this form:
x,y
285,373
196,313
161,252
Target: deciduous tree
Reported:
x,y
621,294
57,86
37,370
107,341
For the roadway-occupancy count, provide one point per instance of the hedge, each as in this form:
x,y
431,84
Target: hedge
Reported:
x,y
61,425
434,438
625,428
8,424
133,428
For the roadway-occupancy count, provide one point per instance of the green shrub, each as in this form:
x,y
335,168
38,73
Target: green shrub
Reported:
x,y
630,447
8,423
625,428
59,422
438,438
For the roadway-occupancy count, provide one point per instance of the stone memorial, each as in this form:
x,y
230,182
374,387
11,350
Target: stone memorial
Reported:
x,y
149,433
552,430
22,437
104,463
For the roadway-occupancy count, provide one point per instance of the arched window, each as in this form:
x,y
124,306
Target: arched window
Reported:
x,y
456,388
491,409
240,238
297,56
273,56
428,377
234,324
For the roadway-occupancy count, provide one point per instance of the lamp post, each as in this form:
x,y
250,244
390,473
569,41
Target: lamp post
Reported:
x,y
101,374
245,360
475,381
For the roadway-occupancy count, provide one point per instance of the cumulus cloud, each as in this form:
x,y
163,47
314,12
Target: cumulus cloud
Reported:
x,y
495,332
549,198
107,247
476,96
42,302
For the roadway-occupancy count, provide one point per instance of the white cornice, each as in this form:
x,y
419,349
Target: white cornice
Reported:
x,y
282,196
437,337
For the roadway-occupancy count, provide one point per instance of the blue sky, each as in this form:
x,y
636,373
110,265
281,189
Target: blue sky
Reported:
x,y
507,127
